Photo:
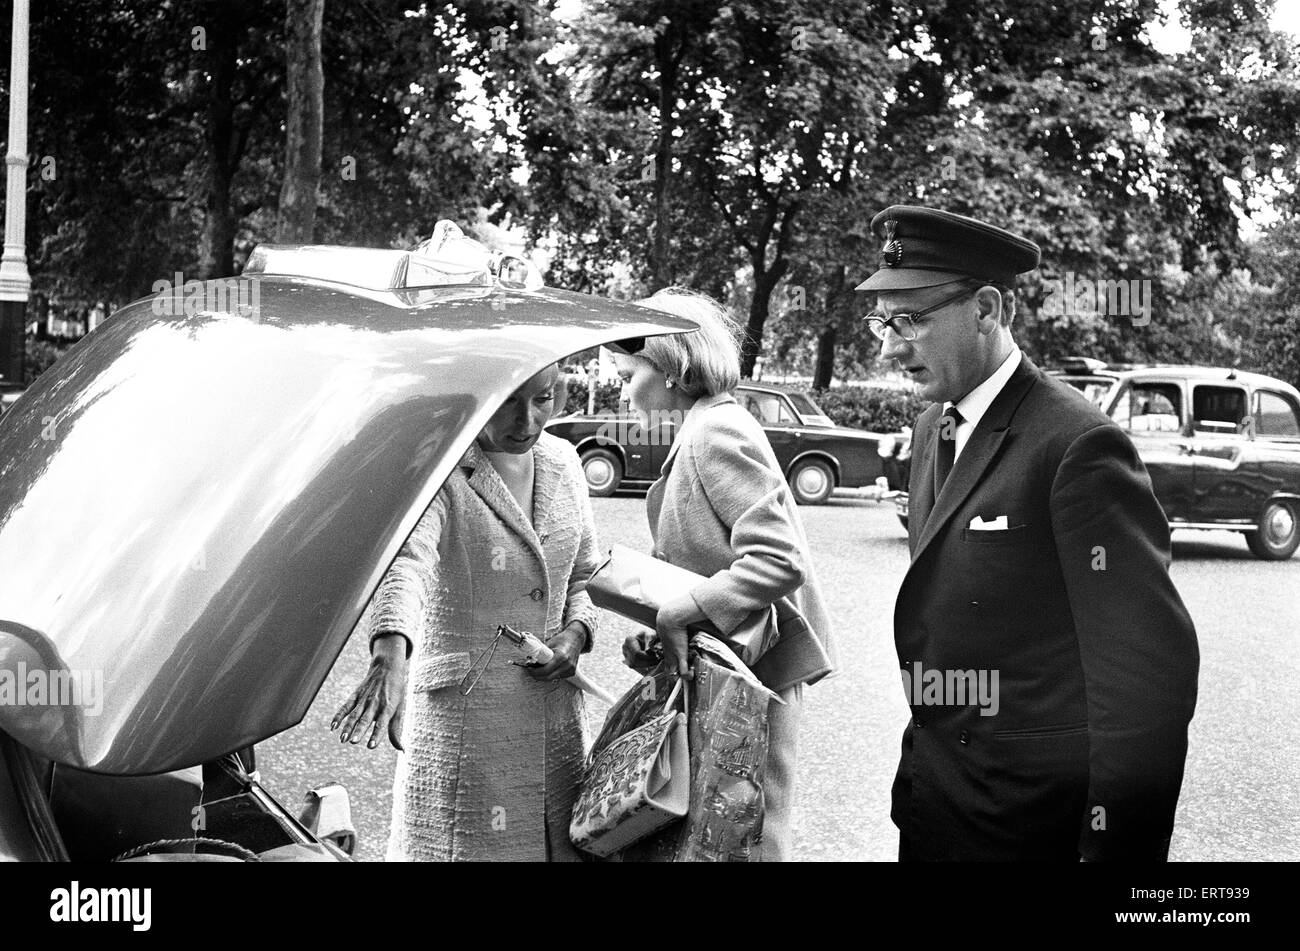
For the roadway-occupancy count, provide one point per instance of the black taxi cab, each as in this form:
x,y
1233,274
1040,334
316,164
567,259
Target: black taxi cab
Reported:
x,y
1222,445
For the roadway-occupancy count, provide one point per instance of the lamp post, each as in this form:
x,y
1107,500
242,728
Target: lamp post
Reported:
x,y
15,284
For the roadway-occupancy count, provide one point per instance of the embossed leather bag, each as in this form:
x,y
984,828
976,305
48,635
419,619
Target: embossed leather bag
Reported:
x,y
637,778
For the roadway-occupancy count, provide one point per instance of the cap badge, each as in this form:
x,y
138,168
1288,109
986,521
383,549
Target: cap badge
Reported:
x,y
892,252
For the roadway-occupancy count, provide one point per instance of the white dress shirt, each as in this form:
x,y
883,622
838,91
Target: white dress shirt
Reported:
x,y
976,403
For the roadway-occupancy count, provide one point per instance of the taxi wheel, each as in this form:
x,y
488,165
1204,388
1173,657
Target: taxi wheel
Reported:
x,y
603,470
1278,535
812,482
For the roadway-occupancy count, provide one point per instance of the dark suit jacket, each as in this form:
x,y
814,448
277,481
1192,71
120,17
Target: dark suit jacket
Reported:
x,y
1073,606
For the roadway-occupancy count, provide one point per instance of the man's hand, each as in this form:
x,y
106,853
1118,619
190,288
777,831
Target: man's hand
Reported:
x,y
670,624
567,645
380,701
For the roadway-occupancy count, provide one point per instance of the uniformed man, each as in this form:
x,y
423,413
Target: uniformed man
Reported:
x,y
1039,568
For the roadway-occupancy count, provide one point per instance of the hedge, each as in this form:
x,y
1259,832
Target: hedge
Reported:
x,y
878,408
607,396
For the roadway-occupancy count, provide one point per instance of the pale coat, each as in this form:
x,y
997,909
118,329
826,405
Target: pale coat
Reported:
x,y
492,775
722,508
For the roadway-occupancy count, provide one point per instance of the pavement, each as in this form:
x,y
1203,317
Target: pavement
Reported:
x,y
1238,800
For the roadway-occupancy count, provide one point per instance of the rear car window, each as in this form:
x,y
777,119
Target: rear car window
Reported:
x,y
1276,414
767,408
1218,409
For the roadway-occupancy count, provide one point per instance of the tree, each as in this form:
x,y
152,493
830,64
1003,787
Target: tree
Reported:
x,y
306,94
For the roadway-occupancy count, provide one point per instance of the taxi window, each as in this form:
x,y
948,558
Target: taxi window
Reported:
x,y
1218,409
1275,414
1150,407
768,408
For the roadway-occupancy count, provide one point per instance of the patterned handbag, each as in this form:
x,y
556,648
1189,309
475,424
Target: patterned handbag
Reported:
x,y
637,779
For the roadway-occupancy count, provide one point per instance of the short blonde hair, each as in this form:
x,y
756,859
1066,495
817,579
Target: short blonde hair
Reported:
x,y
705,362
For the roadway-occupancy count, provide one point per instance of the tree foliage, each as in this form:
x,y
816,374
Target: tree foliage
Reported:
x,y
738,147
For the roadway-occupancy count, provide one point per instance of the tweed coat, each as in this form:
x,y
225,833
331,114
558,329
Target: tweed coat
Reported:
x,y
1071,604
492,775
722,508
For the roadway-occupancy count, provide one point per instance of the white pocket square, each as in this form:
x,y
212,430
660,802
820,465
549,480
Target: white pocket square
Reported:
x,y
998,524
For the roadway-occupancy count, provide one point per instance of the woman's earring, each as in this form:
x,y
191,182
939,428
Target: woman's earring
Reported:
x,y
668,384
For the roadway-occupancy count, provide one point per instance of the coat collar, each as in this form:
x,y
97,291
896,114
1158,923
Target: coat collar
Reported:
x,y
548,471
698,408
977,455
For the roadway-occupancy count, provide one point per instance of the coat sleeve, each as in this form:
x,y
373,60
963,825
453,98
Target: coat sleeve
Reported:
x,y
752,500
1136,643
577,604
406,588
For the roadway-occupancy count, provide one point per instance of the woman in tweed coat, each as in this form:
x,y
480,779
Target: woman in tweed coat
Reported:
x,y
509,538
722,509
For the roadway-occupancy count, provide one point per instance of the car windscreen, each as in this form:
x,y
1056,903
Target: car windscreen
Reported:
x,y
1095,389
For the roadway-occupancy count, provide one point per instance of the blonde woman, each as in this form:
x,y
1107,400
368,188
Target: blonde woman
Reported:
x,y
492,773
722,509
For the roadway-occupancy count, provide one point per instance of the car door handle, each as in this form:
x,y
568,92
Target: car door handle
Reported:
x,y
1186,448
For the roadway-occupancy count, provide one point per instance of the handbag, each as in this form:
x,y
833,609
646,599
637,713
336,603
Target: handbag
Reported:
x,y
637,779
728,730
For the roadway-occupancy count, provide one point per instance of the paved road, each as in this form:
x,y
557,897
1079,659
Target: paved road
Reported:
x,y
1238,801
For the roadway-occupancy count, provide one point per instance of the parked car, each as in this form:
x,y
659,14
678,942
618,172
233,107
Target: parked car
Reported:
x,y
196,506
1222,446
816,455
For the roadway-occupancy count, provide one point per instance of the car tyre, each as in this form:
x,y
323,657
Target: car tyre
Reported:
x,y
603,470
812,482
1278,534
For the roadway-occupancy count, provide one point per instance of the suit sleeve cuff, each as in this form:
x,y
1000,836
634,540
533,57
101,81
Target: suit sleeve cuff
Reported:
x,y
378,634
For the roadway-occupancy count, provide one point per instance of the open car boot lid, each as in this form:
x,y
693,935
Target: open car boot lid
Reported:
x,y
198,501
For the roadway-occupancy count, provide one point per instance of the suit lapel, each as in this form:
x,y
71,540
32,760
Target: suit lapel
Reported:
x,y
548,471
978,454
487,484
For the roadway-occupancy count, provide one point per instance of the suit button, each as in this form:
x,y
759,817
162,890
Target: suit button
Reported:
x,y
537,594
916,722
964,738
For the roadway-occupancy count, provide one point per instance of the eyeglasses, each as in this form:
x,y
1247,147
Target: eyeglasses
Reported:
x,y
905,324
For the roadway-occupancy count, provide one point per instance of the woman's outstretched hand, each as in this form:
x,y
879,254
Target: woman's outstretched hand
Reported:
x,y
567,645
380,700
